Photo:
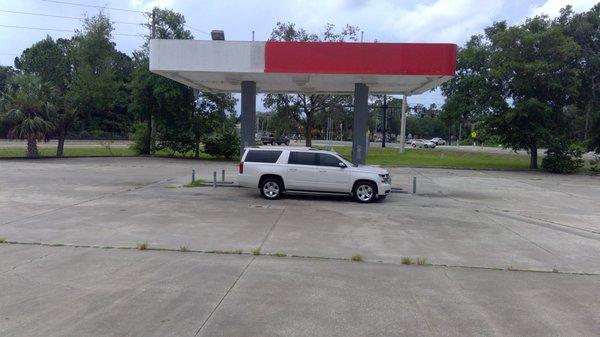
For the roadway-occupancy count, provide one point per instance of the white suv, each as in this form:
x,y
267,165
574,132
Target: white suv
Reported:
x,y
305,170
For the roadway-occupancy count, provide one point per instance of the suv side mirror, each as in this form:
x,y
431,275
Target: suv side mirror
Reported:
x,y
342,165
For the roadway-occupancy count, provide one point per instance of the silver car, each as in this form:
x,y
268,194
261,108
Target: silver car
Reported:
x,y
422,143
438,141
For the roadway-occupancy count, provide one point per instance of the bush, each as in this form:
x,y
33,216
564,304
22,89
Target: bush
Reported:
x,y
595,165
139,138
562,158
176,142
224,145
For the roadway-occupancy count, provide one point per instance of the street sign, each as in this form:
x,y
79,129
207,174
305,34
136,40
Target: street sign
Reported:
x,y
473,134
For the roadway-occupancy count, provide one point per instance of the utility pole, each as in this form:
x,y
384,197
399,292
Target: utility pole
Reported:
x,y
384,108
153,24
403,125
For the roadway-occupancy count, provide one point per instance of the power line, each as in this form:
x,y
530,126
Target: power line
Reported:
x,y
117,9
65,17
196,29
95,6
61,30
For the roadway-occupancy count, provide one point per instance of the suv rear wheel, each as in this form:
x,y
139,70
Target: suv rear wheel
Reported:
x,y
365,192
271,188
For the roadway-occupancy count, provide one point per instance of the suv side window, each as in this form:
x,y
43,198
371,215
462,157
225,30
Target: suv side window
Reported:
x,y
261,156
328,160
303,158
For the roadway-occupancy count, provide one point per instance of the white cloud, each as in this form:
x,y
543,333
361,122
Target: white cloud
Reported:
x,y
552,7
443,20
394,21
147,5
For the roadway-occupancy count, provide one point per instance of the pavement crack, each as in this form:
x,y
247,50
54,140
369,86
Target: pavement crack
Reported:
x,y
224,296
272,227
519,235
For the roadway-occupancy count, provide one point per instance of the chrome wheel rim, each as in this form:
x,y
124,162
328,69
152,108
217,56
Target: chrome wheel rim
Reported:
x,y
364,192
271,189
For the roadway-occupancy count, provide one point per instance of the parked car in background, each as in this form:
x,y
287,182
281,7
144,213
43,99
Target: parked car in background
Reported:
x,y
422,143
276,170
438,141
270,139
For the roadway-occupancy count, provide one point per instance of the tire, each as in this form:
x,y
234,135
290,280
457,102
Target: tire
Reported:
x,y
414,145
365,192
271,188
287,143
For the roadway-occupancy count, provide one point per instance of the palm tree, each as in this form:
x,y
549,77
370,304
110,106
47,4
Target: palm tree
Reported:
x,y
25,105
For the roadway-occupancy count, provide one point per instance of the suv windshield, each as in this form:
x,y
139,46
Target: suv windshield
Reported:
x,y
347,161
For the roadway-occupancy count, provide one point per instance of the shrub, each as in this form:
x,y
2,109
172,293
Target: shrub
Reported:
x,y
176,142
224,145
595,165
139,138
562,157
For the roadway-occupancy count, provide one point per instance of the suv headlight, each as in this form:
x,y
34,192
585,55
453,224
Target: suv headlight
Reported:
x,y
385,178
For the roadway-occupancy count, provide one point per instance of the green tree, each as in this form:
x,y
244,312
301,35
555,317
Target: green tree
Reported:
x,y
537,65
303,107
26,105
6,73
475,91
94,87
518,82
50,60
158,100
214,113
584,29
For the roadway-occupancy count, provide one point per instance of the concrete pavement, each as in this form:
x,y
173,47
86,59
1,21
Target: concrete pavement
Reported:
x,y
65,291
473,222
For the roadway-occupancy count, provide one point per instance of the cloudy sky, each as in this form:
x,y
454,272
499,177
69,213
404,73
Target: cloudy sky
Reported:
x,y
385,20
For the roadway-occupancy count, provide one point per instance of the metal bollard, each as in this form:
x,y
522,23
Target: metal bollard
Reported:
x,y
414,185
223,175
193,175
215,179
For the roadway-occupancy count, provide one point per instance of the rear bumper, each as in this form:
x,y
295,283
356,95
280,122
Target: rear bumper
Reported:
x,y
246,180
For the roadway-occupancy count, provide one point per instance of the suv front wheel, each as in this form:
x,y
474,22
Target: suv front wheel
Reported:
x,y
271,188
365,192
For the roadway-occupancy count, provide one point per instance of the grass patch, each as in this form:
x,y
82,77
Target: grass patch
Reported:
x,y
97,151
2,240
357,258
196,183
279,254
232,251
445,158
406,260
421,261
142,245
256,251
183,249
71,152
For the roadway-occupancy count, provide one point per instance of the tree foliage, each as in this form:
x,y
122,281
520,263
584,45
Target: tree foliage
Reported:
x,y
517,81
27,105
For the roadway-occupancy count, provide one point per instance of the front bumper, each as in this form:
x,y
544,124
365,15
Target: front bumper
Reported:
x,y
384,188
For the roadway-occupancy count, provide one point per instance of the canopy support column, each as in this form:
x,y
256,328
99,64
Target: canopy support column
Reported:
x,y
360,123
248,115
403,125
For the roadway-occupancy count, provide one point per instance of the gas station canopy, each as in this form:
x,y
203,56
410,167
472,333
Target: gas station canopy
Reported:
x,y
310,67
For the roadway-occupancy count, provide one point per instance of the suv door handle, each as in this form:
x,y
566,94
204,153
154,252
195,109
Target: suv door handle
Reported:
x,y
322,171
292,170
